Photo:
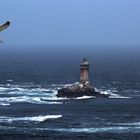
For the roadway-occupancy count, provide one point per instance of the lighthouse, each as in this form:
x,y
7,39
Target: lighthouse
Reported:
x,y
83,88
84,72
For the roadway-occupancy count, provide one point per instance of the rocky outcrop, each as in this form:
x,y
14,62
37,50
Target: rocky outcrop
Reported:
x,y
79,90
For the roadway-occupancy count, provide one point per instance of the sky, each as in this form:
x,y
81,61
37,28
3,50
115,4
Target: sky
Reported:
x,y
49,23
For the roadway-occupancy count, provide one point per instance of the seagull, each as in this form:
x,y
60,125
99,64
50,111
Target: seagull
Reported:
x,y
4,26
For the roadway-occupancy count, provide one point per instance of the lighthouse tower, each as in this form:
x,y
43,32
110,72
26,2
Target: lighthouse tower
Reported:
x,y
84,70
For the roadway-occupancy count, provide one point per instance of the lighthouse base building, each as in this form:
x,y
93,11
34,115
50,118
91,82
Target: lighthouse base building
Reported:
x,y
83,88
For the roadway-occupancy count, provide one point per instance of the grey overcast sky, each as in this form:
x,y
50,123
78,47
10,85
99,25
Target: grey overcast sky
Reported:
x,y
71,22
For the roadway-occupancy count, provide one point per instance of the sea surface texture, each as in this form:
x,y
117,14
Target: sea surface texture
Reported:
x,y
29,108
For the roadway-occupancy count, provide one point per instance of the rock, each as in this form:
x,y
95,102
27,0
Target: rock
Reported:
x,y
77,90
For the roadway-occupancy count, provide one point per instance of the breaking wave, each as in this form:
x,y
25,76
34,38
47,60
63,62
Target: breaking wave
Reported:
x,y
35,95
20,94
128,124
4,104
112,94
39,95
26,99
85,97
115,129
117,96
35,118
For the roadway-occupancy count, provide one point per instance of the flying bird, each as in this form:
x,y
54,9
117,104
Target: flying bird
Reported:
x,y
4,26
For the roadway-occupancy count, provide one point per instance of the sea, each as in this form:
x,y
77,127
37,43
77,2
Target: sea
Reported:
x,y
29,108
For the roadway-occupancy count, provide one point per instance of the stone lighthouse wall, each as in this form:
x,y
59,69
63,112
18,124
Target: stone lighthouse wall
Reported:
x,y
84,72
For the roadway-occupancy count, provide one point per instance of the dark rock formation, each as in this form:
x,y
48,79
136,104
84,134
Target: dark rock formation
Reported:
x,y
78,90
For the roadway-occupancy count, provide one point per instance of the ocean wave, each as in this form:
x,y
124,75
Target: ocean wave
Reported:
x,y
40,95
112,94
117,96
4,104
53,98
114,129
85,97
34,118
65,98
29,94
26,99
61,85
9,80
25,91
128,124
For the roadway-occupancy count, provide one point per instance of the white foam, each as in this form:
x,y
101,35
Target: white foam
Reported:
x,y
27,94
55,103
104,92
40,95
61,85
26,99
4,104
3,89
23,89
54,98
35,118
128,124
65,98
112,94
9,80
117,96
119,129
85,97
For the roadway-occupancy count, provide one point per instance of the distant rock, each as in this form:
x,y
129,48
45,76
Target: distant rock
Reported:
x,y
78,90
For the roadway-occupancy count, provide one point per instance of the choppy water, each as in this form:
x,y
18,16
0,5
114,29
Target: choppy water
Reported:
x,y
30,109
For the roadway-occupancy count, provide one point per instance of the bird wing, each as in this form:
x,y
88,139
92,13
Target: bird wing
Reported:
x,y
4,26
